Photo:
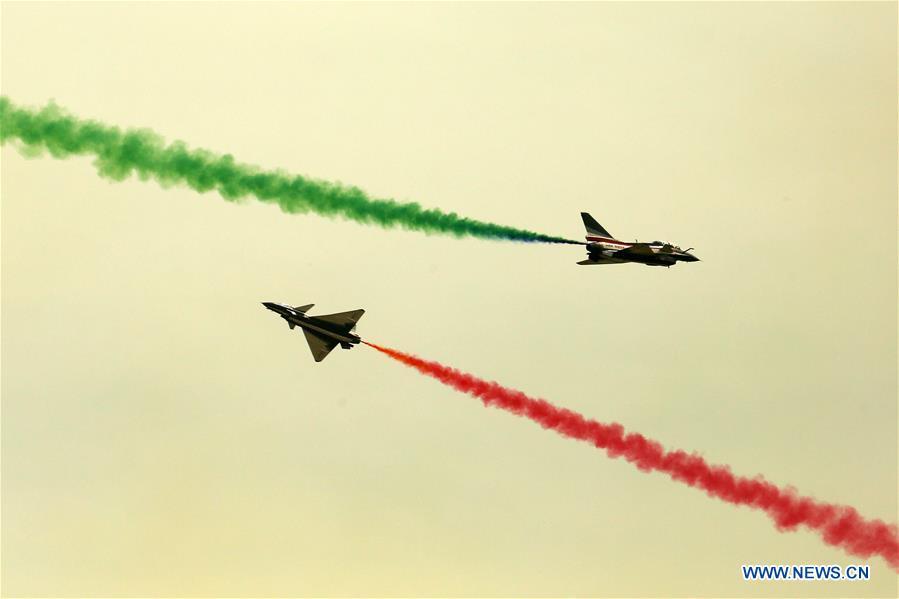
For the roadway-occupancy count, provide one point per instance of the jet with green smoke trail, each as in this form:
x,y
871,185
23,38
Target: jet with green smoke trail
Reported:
x,y
120,153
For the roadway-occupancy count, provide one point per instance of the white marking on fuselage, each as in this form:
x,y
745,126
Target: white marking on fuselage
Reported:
x,y
606,242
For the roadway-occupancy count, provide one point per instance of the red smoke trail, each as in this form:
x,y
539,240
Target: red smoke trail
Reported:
x,y
837,524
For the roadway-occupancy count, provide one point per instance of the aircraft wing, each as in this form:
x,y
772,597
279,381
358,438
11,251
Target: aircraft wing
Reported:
x,y
347,320
592,262
638,249
321,346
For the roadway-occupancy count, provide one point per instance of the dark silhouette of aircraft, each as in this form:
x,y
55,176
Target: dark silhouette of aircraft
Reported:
x,y
602,248
323,333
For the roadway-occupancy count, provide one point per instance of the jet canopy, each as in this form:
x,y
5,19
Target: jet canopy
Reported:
x,y
668,246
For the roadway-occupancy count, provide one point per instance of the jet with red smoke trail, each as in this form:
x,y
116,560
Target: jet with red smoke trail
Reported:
x,y
323,333
602,248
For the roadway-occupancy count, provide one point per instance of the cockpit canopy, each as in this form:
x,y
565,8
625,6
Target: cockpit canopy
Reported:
x,y
666,246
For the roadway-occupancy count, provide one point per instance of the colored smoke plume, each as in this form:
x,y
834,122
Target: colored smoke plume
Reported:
x,y
838,525
119,154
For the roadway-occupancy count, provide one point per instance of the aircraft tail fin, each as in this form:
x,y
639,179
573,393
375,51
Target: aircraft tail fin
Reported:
x,y
593,227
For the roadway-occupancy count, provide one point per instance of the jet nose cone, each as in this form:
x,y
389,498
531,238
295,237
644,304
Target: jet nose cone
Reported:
x,y
269,305
692,258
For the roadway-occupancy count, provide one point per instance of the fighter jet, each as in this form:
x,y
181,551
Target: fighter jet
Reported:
x,y
602,248
323,333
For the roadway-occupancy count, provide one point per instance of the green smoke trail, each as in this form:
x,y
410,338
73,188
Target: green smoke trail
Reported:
x,y
120,153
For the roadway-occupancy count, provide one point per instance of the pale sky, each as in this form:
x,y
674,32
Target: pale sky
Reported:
x,y
163,434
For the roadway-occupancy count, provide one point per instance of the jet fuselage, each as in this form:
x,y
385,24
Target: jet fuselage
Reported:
x,y
657,253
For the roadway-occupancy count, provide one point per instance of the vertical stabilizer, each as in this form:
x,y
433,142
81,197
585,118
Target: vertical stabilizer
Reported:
x,y
593,227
